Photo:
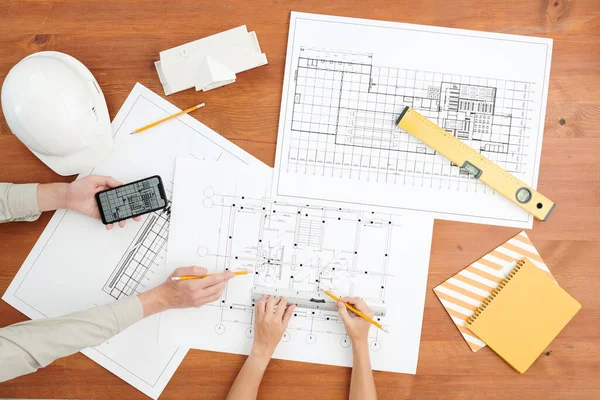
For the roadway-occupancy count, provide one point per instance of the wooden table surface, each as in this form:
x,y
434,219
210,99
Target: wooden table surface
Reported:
x,y
118,40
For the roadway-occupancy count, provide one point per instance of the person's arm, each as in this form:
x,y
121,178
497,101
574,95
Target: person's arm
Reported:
x,y
18,202
269,326
28,346
362,385
26,202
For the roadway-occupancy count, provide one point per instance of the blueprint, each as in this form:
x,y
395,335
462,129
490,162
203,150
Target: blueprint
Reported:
x,y
77,264
346,81
225,220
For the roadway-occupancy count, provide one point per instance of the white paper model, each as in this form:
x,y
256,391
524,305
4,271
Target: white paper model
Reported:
x,y
210,62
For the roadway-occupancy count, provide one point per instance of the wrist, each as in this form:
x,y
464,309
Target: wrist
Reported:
x,y
259,358
153,301
261,353
52,196
360,345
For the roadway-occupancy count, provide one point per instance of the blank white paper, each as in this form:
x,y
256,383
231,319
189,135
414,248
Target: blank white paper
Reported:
x,y
346,82
224,219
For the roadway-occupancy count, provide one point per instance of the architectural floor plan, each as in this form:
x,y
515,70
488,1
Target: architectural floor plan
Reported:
x,y
345,108
226,221
338,140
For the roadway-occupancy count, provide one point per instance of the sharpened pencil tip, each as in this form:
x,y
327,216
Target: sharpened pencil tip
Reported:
x,y
385,330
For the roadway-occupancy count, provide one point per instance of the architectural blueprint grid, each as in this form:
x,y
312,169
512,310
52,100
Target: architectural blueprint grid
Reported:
x,y
344,90
226,221
77,264
147,250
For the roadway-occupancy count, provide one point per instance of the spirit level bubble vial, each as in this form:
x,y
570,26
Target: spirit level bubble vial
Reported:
x,y
476,164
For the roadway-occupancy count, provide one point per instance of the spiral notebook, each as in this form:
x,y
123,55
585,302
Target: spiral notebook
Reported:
x,y
461,294
523,315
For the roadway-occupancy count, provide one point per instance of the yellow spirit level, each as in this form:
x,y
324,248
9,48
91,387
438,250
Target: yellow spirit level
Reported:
x,y
475,163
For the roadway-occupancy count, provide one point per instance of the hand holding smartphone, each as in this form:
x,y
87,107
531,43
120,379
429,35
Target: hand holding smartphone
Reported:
x,y
132,199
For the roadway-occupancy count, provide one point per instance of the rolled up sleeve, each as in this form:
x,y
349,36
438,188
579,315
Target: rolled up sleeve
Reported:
x,y
18,202
28,346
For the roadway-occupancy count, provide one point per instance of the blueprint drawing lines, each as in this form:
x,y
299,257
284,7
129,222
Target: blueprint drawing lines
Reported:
x,y
347,81
145,253
345,108
226,220
299,248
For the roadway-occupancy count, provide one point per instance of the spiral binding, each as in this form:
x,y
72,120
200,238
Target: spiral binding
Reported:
x,y
495,292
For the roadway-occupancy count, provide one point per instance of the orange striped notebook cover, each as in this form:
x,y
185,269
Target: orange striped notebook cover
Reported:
x,y
463,293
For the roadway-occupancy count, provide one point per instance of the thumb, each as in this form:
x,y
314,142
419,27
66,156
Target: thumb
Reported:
x,y
181,271
111,182
343,312
105,181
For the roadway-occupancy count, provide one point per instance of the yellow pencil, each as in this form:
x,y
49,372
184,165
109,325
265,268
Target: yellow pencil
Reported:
x,y
160,121
355,311
188,277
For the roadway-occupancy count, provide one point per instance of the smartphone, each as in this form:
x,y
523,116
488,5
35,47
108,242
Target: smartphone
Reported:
x,y
130,200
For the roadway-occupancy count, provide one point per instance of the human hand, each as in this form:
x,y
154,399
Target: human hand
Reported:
x,y
357,327
185,294
194,292
80,196
270,324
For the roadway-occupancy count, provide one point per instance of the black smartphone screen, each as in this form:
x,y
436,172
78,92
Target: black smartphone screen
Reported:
x,y
130,200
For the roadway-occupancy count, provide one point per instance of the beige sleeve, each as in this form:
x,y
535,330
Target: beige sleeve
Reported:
x,y
18,202
27,346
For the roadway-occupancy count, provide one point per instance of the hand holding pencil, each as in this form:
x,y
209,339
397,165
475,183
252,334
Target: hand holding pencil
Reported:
x,y
189,277
193,292
357,326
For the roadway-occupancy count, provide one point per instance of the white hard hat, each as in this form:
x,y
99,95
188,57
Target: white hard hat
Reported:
x,y
54,105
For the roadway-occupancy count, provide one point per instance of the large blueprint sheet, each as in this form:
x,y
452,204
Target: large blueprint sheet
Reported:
x,y
224,219
346,81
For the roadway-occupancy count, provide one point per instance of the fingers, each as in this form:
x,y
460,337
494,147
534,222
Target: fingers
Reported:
x,y
260,306
212,280
281,306
359,304
343,312
123,223
212,298
112,182
193,270
270,307
210,291
104,181
288,314
351,300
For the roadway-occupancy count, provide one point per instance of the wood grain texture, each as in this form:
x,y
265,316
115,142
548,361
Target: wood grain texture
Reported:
x,y
119,40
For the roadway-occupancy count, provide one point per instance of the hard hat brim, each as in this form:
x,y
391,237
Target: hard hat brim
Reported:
x,y
82,161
